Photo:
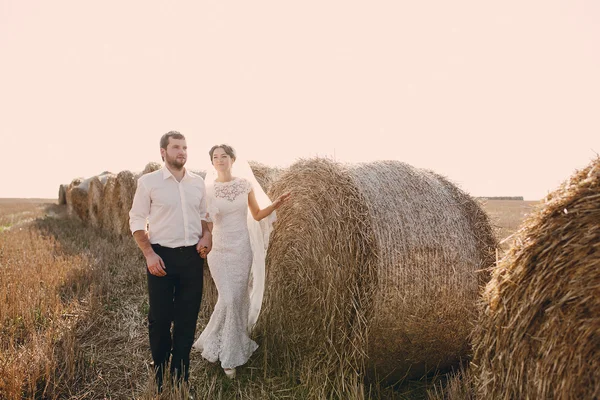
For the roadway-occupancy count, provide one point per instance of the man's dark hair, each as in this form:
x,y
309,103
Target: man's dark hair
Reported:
x,y
164,140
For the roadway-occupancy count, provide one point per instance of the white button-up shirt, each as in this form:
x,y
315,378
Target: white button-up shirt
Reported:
x,y
173,210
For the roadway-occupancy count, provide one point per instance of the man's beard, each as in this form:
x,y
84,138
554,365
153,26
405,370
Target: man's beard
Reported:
x,y
174,163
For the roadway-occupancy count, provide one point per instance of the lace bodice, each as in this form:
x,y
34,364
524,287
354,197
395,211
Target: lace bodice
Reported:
x,y
232,189
228,204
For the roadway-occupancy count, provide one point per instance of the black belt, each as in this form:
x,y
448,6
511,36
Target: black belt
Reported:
x,y
180,248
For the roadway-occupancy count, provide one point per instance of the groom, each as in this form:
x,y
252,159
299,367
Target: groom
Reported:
x,y
173,202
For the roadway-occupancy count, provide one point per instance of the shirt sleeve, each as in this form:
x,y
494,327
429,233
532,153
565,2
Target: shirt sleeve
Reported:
x,y
140,209
249,186
204,205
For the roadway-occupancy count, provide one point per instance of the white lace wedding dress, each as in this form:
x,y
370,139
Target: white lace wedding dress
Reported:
x,y
226,338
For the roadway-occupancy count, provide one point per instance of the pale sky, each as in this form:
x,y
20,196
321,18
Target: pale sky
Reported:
x,y
501,97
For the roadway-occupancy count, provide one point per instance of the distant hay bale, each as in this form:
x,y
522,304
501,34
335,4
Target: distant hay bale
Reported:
x,y
265,175
109,201
76,182
62,194
122,199
538,334
199,172
78,199
372,269
151,167
96,200
70,187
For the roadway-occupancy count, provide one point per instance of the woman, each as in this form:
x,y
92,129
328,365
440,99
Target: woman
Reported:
x,y
226,337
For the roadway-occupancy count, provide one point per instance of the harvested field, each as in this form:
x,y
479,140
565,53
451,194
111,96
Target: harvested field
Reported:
x,y
107,273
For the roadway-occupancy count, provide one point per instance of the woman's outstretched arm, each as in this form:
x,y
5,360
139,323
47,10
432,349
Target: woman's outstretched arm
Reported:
x,y
257,212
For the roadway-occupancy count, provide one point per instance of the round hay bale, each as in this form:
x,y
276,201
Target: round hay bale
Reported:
x,y
372,269
198,172
264,174
78,199
123,192
95,199
151,167
62,194
538,334
110,200
74,183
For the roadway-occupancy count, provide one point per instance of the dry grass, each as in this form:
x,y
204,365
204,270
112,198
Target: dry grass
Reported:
x,y
458,385
43,291
18,211
80,331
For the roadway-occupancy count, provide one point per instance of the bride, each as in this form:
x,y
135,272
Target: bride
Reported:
x,y
237,258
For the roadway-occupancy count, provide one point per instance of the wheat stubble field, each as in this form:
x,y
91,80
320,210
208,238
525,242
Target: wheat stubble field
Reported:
x,y
73,305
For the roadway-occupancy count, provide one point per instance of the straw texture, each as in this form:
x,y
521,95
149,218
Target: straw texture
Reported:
x,y
264,174
538,335
95,199
110,201
74,183
373,269
78,199
122,199
151,167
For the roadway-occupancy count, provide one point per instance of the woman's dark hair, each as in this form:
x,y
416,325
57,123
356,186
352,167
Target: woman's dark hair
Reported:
x,y
227,148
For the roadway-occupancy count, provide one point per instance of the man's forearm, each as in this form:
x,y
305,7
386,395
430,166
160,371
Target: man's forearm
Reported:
x,y
205,229
141,238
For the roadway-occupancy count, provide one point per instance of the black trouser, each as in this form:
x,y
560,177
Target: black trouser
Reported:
x,y
174,298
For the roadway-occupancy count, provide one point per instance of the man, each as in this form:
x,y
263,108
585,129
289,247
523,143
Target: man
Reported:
x,y
173,201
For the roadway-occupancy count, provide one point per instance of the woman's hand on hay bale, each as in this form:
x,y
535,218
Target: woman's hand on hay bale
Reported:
x,y
156,265
281,199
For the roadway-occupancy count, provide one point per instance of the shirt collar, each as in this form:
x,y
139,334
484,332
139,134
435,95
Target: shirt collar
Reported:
x,y
167,174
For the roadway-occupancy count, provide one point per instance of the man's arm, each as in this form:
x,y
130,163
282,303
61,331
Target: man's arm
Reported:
x,y
138,215
155,264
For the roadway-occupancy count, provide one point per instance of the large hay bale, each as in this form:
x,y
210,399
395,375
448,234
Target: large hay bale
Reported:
x,y
78,200
265,175
95,199
122,199
62,194
372,268
538,335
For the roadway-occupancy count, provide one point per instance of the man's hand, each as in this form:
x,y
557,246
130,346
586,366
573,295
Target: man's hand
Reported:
x,y
156,266
204,245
